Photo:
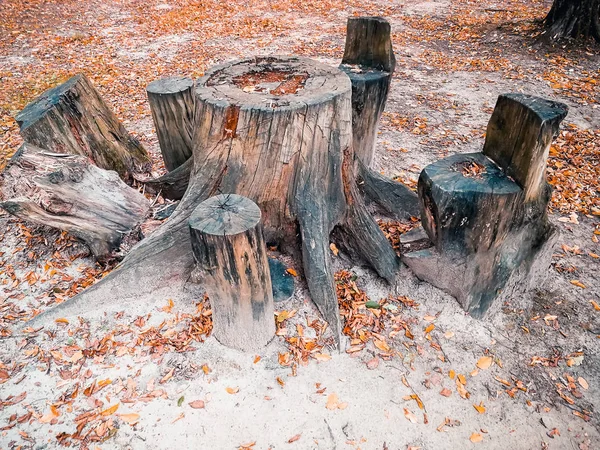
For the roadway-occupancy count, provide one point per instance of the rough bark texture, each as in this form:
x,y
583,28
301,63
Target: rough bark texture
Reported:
x,y
73,118
231,258
490,231
172,106
69,193
573,19
278,131
172,185
369,62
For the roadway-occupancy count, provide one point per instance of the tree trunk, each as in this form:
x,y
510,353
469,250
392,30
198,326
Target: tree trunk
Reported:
x,y
68,193
73,118
172,185
278,131
369,62
172,106
231,258
573,19
486,213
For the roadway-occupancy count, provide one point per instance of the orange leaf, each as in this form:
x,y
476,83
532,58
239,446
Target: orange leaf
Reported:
x,y
480,408
334,249
410,416
332,401
578,284
197,404
109,411
131,418
62,320
429,328
485,362
256,359
296,437
595,305
476,437
451,374
231,390
292,272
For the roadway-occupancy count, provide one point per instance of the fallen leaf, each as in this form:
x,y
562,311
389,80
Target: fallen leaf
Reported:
x,y
168,376
410,416
446,392
480,408
332,401
292,272
231,390
297,436
451,374
429,328
342,405
197,404
460,387
62,320
584,384
449,334
595,305
485,362
578,284
280,381
476,437
372,364
131,418
334,249
109,411
462,379
256,359
321,357
180,401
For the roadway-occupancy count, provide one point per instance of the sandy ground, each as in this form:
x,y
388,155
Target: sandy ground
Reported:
x,y
542,345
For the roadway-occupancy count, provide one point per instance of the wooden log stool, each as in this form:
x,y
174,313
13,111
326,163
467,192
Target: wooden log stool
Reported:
x,y
231,261
486,213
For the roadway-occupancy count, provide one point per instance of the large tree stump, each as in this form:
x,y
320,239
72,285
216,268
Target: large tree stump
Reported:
x,y
231,259
277,130
487,218
172,106
369,61
68,193
73,118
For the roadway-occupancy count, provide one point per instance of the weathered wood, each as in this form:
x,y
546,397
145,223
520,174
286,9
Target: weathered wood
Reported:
x,y
519,135
172,185
231,256
73,118
369,62
491,234
394,197
278,131
69,193
573,19
172,106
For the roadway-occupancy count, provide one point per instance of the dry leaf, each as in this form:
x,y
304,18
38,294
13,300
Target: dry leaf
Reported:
x,y
372,364
583,383
595,305
168,376
342,405
461,389
485,362
451,374
296,437
476,437
334,249
197,404
321,357
578,284
480,408
332,401
429,328
233,390
62,320
410,416
446,392
462,379
131,418
449,334
256,359
292,272
109,411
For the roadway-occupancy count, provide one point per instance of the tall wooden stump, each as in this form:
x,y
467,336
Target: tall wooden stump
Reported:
x,y
486,213
172,106
231,259
277,130
73,118
369,61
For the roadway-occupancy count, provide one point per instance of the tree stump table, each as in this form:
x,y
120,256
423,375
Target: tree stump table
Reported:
x,y
231,260
277,130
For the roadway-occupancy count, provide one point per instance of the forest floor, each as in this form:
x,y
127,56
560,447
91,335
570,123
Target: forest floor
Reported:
x,y
419,373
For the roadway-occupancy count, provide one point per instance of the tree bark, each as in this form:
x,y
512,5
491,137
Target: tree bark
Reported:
x,y
231,258
172,106
68,193
172,185
573,19
278,131
486,213
73,118
369,62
